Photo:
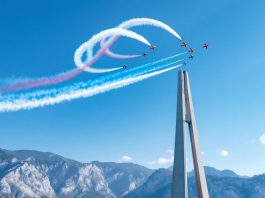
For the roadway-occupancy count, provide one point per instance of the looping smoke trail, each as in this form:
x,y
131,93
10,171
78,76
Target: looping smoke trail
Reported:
x,y
98,37
113,33
81,66
114,55
39,98
133,23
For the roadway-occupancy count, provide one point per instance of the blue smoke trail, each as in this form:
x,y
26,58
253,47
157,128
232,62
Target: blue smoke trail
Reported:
x,y
39,98
138,68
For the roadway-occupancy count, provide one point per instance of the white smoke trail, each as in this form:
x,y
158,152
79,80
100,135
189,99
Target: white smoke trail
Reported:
x,y
20,84
85,47
139,22
27,103
88,46
147,21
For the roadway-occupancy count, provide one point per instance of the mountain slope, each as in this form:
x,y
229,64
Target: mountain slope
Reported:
x,y
33,174
221,184
210,171
41,174
123,176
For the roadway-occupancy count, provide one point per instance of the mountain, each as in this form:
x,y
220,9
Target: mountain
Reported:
x,y
210,171
42,174
221,184
157,185
213,172
34,174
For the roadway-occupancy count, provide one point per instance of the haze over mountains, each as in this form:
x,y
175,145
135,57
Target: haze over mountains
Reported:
x,y
41,174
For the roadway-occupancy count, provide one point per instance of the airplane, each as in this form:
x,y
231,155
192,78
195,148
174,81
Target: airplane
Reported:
x,y
185,63
125,66
152,47
205,45
191,56
144,54
184,44
191,50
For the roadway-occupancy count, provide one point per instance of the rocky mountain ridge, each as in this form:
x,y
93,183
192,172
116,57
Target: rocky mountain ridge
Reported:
x,y
33,174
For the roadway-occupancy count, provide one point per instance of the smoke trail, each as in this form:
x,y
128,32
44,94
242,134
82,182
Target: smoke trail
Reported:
x,y
133,23
115,55
98,37
77,58
87,47
15,102
148,67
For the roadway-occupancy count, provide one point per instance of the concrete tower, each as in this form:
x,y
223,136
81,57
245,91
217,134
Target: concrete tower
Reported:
x,y
185,115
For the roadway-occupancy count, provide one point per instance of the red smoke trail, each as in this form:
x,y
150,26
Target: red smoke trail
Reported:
x,y
54,79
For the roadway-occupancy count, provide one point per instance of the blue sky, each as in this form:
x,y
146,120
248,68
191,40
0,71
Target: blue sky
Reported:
x,y
227,81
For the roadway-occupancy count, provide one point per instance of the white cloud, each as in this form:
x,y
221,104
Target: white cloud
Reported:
x,y
262,139
126,158
224,153
162,161
169,151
